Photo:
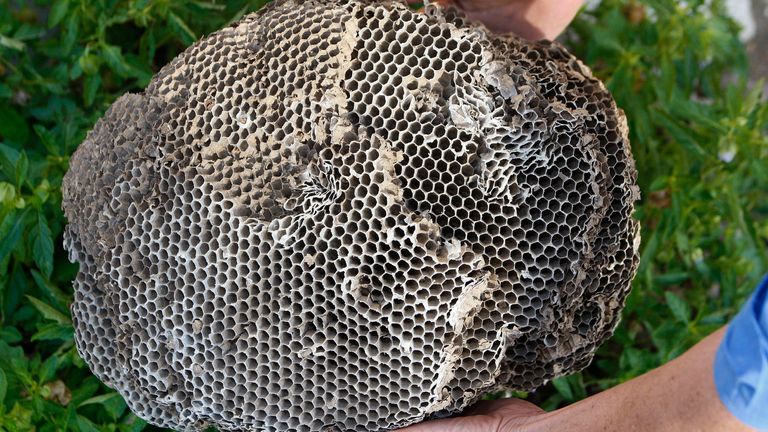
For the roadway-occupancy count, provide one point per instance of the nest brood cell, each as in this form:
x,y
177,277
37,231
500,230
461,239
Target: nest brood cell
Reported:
x,y
346,215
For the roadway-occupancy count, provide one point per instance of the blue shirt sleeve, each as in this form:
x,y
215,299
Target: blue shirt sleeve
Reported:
x,y
741,363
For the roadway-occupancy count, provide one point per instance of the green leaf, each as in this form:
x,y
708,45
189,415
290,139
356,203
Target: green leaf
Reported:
x,y
91,86
47,139
113,56
7,193
113,403
89,62
564,388
54,331
5,91
181,28
16,286
13,126
100,399
86,388
13,360
47,371
71,28
10,335
43,191
9,157
678,306
670,338
42,246
20,418
10,232
680,133
14,164
636,361
148,45
209,5
12,43
58,12
86,425
49,312
671,278
131,423
139,70
3,387
22,168
52,293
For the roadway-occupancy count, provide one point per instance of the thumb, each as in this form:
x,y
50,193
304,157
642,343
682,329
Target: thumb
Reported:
x,y
478,423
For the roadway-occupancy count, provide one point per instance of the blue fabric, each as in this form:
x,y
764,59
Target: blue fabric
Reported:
x,y
741,363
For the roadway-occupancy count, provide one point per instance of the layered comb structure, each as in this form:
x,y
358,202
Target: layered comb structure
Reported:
x,y
349,216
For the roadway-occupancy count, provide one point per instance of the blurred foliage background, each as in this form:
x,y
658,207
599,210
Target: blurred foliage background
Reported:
x,y
699,134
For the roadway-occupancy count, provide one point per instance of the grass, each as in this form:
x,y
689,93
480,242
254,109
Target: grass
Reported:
x,y
678,70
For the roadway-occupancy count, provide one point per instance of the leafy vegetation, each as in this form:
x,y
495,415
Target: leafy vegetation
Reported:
x,y
677,68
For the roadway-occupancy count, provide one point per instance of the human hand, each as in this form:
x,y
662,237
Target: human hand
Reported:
x,y
678,396
504,415
530,19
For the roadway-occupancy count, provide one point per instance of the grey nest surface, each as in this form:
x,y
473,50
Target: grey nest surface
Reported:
x,y
349,216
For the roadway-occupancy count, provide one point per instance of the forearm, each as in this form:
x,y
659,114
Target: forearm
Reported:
x,y
680,395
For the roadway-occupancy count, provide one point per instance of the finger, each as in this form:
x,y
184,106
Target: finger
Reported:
x,y
458,424
504,407
548,18
485,407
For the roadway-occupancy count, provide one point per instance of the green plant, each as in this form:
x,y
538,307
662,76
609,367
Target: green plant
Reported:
x,y
698,134
699,138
